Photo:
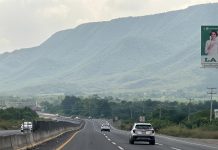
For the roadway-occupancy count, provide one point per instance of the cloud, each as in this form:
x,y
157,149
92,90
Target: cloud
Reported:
x,y
4,42
57,11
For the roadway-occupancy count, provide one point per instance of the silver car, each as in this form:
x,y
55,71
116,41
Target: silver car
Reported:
x,y
142,132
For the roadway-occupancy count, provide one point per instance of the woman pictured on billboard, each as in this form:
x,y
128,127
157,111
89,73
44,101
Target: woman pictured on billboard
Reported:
x,y
211,47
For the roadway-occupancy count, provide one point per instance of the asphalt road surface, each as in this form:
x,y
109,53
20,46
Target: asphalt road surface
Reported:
x,y
91,138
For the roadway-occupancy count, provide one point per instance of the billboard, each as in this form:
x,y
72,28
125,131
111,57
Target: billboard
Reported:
x,y
209,46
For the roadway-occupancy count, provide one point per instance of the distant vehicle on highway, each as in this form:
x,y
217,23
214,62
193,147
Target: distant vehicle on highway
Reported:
x,y
105,127
77,118
142,132
26,126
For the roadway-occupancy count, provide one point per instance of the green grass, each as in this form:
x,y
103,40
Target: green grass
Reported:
x,y
193,133
10,124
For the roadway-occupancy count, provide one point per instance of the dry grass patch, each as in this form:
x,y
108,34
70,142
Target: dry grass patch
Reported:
x,y
193,133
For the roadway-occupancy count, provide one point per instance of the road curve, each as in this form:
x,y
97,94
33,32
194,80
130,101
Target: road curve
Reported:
x,y
91,138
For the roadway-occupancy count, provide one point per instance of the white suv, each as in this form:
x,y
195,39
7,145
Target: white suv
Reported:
x,y
105,127
142,132
26,126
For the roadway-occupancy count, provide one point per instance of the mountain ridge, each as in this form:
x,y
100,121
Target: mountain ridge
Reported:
x,y
132,54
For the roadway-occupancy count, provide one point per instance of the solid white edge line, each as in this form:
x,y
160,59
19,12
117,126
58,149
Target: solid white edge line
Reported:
x,y
120,148
158,144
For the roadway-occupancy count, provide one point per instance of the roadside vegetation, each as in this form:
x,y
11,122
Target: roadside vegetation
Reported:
x,y
11,118
168,117
192,133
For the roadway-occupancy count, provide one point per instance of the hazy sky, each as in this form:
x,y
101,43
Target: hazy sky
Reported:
x,y
27,23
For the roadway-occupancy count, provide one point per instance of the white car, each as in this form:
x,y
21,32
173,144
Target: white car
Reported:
x,y
105,127
26,126
142,132
76,118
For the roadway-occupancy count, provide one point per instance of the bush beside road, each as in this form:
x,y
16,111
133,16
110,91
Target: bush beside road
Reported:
x,y
11,118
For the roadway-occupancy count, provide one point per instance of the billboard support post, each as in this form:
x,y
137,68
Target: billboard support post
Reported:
x,y
211,101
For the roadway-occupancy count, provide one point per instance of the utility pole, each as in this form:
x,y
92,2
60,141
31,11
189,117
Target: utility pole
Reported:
x,y
131,112
164,99
143,107
160,111
189,108
211,101
90,109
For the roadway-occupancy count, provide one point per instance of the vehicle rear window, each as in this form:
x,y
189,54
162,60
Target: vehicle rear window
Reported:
x,y
27,123
105,125
143,126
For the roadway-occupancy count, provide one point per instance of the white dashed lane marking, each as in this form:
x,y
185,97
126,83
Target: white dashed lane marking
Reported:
x,y
112,142
175,148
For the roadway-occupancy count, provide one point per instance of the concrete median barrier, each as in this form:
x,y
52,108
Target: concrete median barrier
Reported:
x,y
5,142
43,131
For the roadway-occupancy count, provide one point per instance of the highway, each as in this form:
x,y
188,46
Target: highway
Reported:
x,y
91,138
41,115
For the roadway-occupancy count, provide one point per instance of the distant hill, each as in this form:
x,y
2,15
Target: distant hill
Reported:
x,y
158,52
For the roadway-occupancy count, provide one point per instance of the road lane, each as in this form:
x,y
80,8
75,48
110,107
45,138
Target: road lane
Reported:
x,y
121,138
162,142
91,138
186,143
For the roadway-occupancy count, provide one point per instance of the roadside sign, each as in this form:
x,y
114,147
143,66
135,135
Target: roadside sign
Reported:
x,y
209,46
